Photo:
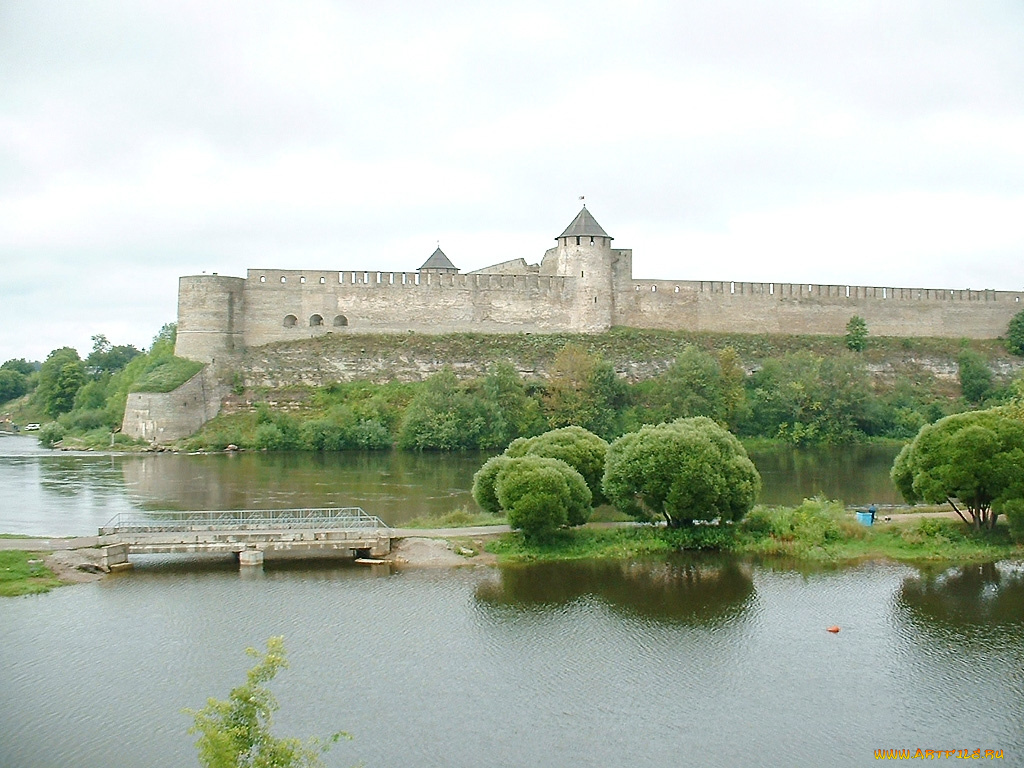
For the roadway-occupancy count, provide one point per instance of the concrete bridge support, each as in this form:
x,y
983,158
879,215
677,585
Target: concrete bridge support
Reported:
x,y
114,558
250,558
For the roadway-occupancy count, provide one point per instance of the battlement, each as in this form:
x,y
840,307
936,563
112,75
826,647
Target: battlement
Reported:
x,y
289,279
581,285
812,291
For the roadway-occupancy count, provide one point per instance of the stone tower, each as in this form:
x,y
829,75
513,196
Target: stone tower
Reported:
x,y
210,312
584,253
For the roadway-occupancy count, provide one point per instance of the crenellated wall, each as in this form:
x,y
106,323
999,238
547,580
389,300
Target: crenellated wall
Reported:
x,y
787,308
582,285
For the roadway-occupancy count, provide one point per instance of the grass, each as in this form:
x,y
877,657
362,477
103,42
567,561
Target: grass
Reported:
x,y
459,518
167,376
22,573
816,531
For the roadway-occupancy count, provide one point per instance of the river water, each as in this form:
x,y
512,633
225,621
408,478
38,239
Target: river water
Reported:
x,y
702,661
53,493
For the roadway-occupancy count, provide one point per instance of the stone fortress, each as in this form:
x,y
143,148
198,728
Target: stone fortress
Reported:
x,y
582,285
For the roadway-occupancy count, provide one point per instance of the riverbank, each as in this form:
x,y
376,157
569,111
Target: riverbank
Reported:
x,y
816,531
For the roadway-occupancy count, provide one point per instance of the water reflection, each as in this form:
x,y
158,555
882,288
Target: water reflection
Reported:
x,y
857,474
698,590
54,493
394,485
967,597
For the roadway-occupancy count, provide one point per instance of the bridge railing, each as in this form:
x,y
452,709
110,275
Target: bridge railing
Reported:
x,y
333,518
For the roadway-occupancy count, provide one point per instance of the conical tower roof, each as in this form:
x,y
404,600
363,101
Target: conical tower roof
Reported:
x,y
438,260
584,225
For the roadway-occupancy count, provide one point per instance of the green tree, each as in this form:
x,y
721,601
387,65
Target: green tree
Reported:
x,y
1015,334
107,358
60,377
519,414
692,386
973,460
540,495
12,384
856,334
733,378
975,376
583,390
805,398
443,416
235,733
581,449
21,365
687,470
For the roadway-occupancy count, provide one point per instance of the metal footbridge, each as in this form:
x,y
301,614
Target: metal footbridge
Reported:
x,y
248,533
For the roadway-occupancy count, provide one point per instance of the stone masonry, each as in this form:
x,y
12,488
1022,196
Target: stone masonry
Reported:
x,y
582,285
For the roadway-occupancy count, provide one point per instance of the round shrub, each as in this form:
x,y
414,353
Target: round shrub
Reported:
x,y
688,470
581,449
540,495
484,492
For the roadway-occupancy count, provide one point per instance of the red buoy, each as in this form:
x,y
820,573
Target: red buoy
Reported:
x,y
832,629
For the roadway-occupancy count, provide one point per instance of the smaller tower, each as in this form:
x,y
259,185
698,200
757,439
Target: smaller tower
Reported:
x,y
439,263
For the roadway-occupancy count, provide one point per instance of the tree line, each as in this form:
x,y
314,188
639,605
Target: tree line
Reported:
x,y
799,397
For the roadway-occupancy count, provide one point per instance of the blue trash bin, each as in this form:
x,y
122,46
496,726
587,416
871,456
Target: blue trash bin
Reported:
x,y
865,518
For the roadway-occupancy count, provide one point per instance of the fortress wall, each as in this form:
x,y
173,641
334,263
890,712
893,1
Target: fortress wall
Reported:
x,y
789,308
391,302
163,417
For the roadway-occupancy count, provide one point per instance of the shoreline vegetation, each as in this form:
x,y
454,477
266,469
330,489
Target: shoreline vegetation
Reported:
x,y
818,531
455,392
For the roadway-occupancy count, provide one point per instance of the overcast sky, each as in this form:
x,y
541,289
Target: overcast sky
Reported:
x,y
851,142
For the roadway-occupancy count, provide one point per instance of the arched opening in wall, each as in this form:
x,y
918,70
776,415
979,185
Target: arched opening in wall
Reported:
x,y
340,321
323,280
315,321
654,289
677,289
263,278
302,279
591,239
577,240
284,279
732,287
290,321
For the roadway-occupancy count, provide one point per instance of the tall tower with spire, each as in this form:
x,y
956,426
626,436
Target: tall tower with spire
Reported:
x,y
584,253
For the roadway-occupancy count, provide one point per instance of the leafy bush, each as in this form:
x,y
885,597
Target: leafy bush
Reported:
x,y
856,334
689,470
975,376
484,492
541,495
1014,511
51,434
444,417
1015,334
581,449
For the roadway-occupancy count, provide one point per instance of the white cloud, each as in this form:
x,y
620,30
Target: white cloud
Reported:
x,y
863,142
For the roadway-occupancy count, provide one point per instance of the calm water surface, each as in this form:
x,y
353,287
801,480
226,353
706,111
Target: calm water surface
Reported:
x,y
689,661
692,661
54,493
